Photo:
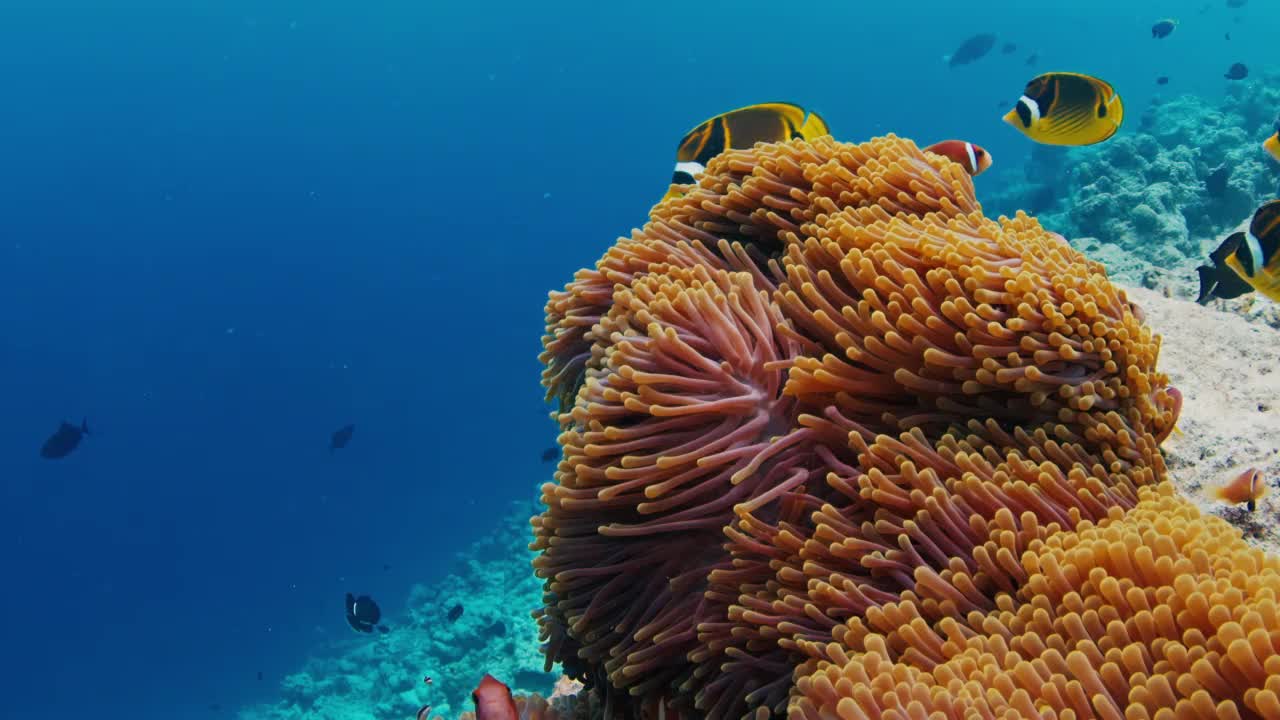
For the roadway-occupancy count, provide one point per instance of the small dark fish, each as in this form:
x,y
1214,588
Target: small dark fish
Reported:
x,y
1163,29
1008,49
1162,80
551,453
363,613
1216,184
1226,36
259,676
386,567
383,629
497,628
64,440
426,680
1236,3
1033,59
972,50
424,712
455,612
341,437
1237,71
215,707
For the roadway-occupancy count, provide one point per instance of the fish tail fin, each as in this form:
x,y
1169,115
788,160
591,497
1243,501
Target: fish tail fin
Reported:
x,y
1207,283
814,126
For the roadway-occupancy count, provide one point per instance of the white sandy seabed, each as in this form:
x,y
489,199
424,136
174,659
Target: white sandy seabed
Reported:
x,y
1228,370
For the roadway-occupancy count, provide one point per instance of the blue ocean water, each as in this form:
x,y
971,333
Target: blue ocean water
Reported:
x,y
229,228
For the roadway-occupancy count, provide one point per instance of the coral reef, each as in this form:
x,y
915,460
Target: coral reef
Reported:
x,y
382,676
1145,190
823,388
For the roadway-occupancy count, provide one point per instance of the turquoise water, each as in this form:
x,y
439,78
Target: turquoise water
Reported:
x,y
231,228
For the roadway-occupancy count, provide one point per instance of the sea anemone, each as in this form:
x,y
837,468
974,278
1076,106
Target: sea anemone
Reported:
x,y
817,398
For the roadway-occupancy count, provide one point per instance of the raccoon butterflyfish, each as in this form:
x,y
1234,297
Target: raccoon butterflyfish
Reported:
x,y
1062,108
1247,487
1248,260
740,129
973,158
1272,144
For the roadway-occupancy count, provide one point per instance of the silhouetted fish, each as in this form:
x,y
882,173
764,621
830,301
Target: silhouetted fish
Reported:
x,y
1162,80
1226,36
1216,184
1237,71
1236,3
1163,29
341,437
551,453
455,612
363,614
259,676
64,440
1033,59
971,50
1008,49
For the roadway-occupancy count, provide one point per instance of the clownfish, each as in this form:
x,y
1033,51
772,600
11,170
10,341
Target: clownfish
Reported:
x,y
1246,261
493,700
1062,108
1272,144
1247,487
973,158
740,129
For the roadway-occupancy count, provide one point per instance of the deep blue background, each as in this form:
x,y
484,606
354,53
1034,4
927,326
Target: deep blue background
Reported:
x,y
228,228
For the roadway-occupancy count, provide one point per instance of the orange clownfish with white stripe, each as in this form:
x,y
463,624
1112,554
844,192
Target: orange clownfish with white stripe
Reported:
x,y
1248,487
493,700
973,158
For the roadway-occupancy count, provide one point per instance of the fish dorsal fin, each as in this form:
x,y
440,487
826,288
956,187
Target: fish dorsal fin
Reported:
x,y
1229,245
